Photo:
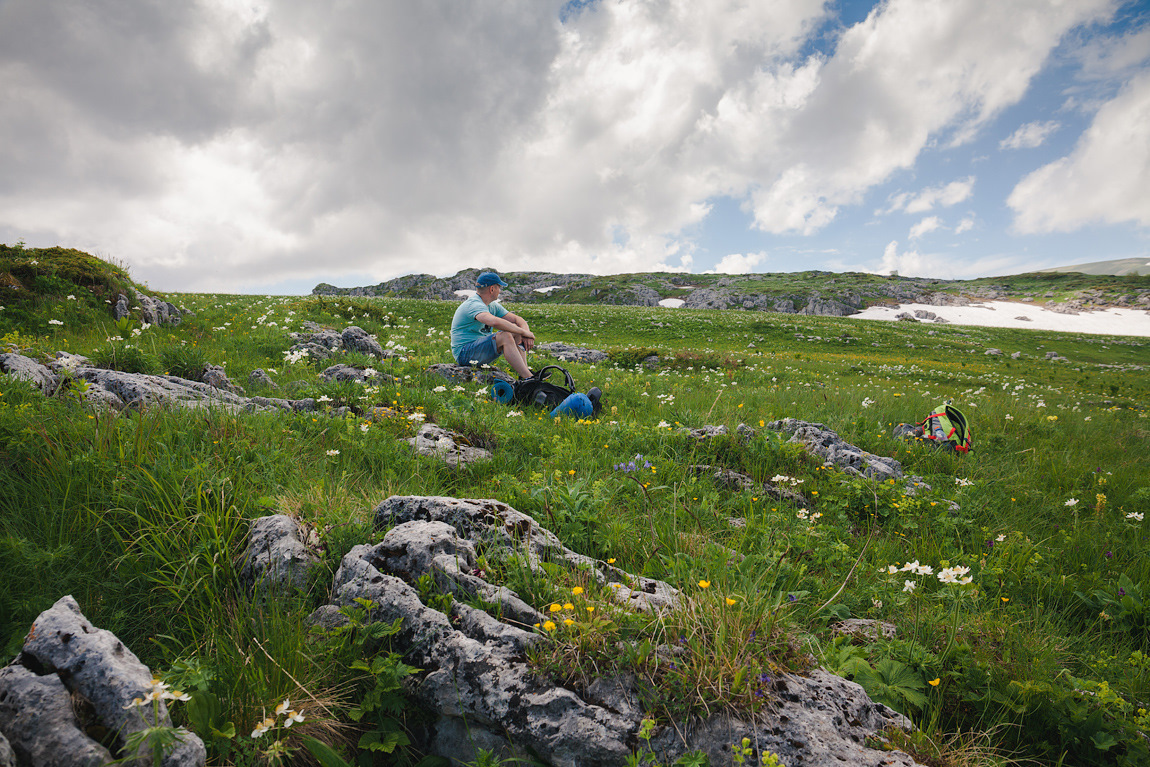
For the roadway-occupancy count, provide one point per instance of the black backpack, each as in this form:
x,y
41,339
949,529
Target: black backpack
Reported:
x,y
538,391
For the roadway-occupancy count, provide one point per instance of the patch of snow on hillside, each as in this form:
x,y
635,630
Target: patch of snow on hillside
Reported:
x,y
547,289
672,303
1007,314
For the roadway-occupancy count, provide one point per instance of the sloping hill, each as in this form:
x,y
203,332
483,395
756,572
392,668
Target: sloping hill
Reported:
x,y
1117,268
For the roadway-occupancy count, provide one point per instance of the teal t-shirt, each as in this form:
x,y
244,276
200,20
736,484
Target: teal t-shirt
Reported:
x,y
465,329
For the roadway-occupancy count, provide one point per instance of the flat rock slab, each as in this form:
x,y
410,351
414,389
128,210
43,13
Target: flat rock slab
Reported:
x,y
448,446
568,353
464,374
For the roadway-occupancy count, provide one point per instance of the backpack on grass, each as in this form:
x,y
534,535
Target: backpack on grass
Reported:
x,y
946,427
539,391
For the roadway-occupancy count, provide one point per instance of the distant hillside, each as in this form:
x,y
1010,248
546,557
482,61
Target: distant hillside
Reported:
x,y
1117,268
819,293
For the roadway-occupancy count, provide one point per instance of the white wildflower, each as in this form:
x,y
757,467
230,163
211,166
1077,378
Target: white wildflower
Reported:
x,y
909,586
440,389
1135,515
332,453
1071,502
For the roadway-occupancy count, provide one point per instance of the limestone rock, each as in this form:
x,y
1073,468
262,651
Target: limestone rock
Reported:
x,y
277,558
463,373
820,720
155,311
40,727
120,310
27,369
325,337
91,663
260,377
866,628
568,353
475,671
448,446
216,377
314,350
356,339
495,523
993,352
342,372
824,443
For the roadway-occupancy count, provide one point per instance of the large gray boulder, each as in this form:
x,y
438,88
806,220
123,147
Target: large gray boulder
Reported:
x,y
28,369
356,339
277,558
818,720
820,441
64,656
39,725
7,755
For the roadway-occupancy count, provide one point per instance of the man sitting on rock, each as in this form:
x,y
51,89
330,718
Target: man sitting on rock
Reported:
x,y
482,329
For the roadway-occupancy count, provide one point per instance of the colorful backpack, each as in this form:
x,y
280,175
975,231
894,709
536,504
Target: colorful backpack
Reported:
x,y
947,426
538,391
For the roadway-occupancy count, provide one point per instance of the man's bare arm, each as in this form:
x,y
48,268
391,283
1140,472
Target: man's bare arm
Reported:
x,y
502,323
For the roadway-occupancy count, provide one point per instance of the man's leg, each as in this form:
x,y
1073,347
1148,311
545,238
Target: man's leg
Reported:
x,y
508,345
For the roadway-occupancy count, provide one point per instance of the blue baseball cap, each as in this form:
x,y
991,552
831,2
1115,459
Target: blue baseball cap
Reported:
x,y
489,278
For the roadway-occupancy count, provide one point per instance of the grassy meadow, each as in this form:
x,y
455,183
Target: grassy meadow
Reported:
x,y
1041,658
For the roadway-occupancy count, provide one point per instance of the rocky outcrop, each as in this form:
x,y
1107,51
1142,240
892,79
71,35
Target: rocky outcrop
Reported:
x,y
27,369
277,558
155,311
118,390
820,441
65,659
495,523
475,676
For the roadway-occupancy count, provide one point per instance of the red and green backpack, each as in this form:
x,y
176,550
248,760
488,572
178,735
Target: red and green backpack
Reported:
x,y
948,426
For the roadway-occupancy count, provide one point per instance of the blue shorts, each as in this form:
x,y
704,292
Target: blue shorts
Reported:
x,y
481,352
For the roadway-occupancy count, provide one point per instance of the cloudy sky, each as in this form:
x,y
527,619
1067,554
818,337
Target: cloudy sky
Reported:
x,y
268,145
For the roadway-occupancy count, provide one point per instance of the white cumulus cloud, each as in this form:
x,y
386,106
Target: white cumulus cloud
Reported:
x,y
1106,178
1030,135
925,226
737,263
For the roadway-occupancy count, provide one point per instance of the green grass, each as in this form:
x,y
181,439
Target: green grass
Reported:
x,y
1044,655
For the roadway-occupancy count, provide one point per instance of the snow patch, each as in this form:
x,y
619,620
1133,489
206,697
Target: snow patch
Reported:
x,y
672,303
1117,322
